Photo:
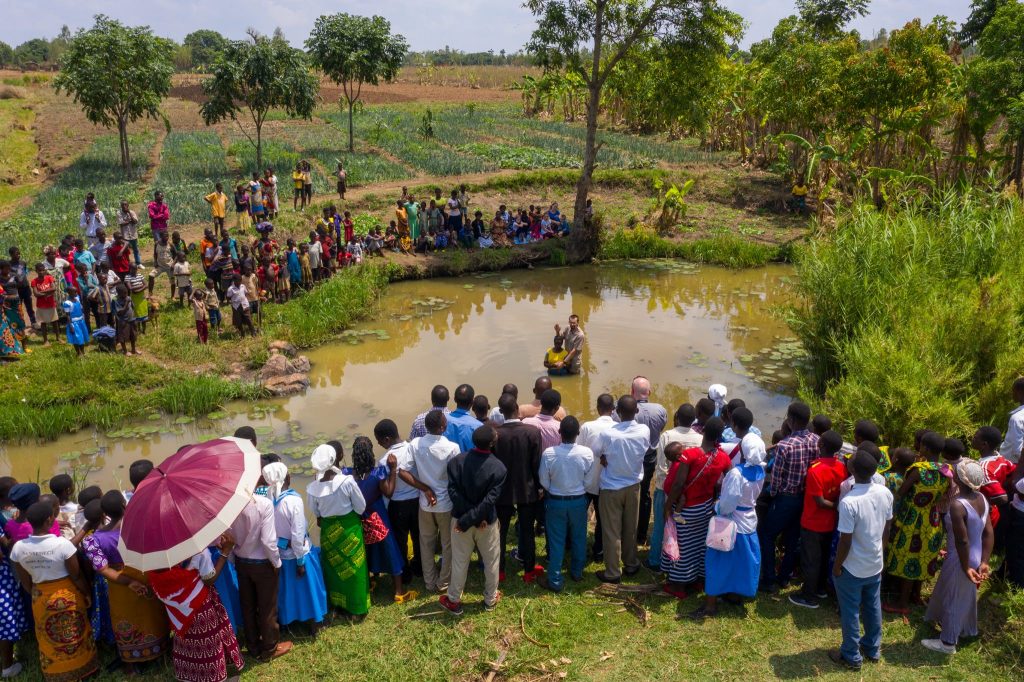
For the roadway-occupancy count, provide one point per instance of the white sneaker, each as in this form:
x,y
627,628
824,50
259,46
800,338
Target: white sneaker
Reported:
x,y
13,671
939,646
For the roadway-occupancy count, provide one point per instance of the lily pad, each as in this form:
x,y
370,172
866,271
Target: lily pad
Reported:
x,y
264,430
153,416
71,456
217,415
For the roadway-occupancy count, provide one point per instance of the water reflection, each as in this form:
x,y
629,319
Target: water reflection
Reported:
x,y
682,326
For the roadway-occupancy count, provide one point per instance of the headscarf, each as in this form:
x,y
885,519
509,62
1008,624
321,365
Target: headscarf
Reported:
x,y
274,474
323,461
754,455
970,473
718,392
24,495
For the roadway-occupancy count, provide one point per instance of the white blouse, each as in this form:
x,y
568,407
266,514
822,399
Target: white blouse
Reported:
x,y
336,497
290,524
738,492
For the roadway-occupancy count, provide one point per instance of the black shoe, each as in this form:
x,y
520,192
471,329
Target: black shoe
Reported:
x,y
543,582
868,658
576,578
598,557
838,659
769,588
800,600
600,575
631,571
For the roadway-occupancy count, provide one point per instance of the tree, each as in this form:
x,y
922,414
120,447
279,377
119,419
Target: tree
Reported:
x,y
828,17
353,51
1002,48
982,12
6,54
205,45
32,52
590,38
118,74
256,77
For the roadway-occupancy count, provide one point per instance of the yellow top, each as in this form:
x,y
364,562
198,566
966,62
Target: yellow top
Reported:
x,y
554,356
297,179
799,190
218,204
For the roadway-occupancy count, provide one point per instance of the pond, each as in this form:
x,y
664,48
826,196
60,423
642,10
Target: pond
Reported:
x,y
683,326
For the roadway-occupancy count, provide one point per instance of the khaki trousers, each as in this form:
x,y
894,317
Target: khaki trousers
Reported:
x,y
432,526
488,542
620,511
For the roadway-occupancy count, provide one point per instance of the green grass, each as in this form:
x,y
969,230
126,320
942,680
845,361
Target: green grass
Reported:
x,y
727,250
329,145
579,635
520,157
56,209
190,165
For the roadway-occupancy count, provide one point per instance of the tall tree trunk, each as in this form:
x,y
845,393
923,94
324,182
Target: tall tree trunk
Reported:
x,y
351,143
585,238
122,133
1017,174
259,145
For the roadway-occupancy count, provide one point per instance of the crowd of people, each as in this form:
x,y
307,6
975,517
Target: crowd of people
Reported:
x,y
722,513
93,284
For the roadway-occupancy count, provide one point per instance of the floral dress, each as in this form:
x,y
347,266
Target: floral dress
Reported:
x,y
919,535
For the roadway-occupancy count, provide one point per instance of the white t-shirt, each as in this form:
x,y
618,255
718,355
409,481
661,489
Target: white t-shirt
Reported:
x,y
453,207
402,453
339,496
847,485
430,456
203,563
43,556
863,513
182,275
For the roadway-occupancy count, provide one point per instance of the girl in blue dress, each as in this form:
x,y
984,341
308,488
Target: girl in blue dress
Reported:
x,y
377,482
77,330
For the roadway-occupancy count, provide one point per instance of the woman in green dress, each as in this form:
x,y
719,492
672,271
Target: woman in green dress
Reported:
x,y
914,552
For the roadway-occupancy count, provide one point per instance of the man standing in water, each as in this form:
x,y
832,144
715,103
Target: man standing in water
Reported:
x,y
574,338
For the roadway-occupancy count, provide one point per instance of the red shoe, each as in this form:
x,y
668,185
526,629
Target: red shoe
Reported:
x,y
531,576
501,576
677,592
452,607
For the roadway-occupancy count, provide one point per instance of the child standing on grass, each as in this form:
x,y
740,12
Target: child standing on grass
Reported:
x,y
241,315
316,252
252,290
182,278
297,186
201,315
77,331
256,206
350,227
305,264
294,266
283,290
218,202
212,305
819,519
63,486
44,288
242,208
124,315
355,252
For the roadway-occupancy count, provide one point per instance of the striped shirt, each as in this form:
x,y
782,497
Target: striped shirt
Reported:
x,y
793,456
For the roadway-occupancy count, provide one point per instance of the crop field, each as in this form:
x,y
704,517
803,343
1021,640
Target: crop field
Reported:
x,y
190,165
56,210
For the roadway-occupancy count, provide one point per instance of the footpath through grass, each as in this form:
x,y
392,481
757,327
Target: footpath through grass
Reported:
x,y
583,636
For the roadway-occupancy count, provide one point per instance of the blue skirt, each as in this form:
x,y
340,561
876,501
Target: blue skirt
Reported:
x,y
77,332
301,599
734,572
13,620
99,612
227,589
383,557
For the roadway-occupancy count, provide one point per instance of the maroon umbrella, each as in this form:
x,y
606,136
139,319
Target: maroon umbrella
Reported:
x,y
187,502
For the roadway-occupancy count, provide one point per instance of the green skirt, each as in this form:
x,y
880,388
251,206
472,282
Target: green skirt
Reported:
x,y
343,556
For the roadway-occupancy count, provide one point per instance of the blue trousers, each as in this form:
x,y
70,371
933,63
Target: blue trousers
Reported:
x,y
781,518
657,531
860,602
566,519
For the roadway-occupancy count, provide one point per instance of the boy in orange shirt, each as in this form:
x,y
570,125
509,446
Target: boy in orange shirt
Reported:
x,y
819,519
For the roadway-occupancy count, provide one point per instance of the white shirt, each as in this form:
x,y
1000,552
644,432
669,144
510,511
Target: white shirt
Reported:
x,y
737,492
453,207
847,485
680,434
496,417
430,455
1014,440
863,513
339,496
203,564
255,533
316,251
402,453
74,515
236,295
589,432
290,525
1018,500
43,556
564,469
623,447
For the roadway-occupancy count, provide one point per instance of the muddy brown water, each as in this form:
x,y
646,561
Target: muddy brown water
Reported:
x,y
682,326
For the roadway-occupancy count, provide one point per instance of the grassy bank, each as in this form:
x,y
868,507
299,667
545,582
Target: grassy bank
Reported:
x,y
912,317
728,250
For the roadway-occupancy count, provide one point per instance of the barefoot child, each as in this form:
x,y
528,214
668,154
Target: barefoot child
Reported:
x,y
212,305
76,330
44,288
182,278
124,316
201,315
241,315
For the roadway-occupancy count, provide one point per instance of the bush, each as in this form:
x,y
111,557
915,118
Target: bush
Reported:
x,y
727,250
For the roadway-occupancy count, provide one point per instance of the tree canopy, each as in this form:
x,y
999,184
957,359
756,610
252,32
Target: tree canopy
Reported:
x,y
118,74
256,77
34,51
205,44
828,17
354,51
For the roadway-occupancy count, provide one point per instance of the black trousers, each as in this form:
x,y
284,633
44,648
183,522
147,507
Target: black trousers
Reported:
x,y
814,552
598,541
644,519
1014,546
527,539
25,294
405,523
257,596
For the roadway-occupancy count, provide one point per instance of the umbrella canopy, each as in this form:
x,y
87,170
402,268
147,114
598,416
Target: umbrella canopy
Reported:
x,y
187,501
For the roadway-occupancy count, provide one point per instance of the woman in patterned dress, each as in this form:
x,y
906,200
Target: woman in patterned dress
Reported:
x,y
918,537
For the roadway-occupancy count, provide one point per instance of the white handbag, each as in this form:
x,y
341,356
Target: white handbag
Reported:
x,y
721,534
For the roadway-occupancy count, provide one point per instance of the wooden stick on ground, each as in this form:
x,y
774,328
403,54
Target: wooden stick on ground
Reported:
x,y
496,666
522,626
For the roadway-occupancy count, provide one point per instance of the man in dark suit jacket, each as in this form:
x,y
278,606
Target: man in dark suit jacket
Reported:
x,y
519,449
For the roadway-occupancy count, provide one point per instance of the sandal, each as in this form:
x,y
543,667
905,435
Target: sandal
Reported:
x,y
889,608
408,596
676,592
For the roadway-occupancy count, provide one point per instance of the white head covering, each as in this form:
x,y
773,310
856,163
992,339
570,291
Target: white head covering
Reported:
x,y
274,474
323,460
970,473
753,449
718,392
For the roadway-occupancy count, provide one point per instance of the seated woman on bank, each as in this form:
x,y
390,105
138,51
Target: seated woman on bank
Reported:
x,y
554,358
555,216
391,237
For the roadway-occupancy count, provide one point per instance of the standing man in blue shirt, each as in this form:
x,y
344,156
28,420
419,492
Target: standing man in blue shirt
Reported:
x,y
461,422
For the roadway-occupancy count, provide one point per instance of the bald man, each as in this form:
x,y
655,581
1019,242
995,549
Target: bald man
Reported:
x,y
655,418
533,409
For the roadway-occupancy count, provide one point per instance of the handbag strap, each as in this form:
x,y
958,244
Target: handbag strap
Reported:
x,y
707,463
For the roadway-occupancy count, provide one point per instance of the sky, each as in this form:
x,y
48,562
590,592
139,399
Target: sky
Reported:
x,y
471,26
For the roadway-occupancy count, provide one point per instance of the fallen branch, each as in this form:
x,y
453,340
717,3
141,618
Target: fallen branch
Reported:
x,y
522,626
425,614
496,666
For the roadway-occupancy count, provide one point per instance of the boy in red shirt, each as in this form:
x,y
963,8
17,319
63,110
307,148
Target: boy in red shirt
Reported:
x,y
819,519
44,288
998,472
